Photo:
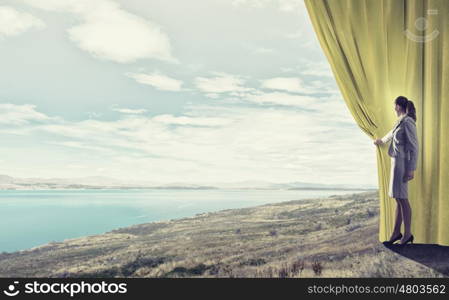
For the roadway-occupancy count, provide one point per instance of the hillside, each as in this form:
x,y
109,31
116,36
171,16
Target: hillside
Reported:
x,y
329,237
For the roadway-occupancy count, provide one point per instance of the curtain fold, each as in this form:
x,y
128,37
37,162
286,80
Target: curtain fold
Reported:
x,y
378,50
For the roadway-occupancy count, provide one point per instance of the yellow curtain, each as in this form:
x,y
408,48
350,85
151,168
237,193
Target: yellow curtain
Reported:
x,y
378,50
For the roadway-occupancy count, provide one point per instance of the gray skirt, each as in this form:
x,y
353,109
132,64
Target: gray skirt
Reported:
x,y
398,188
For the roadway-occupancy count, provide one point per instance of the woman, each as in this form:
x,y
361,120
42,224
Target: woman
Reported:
x,y
403,151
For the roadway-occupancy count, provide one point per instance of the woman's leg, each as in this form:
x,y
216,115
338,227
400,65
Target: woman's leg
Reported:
x,y
406,216
398,222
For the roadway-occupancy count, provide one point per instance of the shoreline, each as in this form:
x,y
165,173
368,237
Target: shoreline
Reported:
x,y
105,230
180,218
336,236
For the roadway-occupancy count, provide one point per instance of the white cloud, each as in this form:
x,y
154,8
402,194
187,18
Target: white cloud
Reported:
x,y
157,80
283,5
13,114
279,98
319,77
109,32
13,22
225,144
291,5
285,90
235,89
93,114
318,69
184,120
82,145
331,105
297,85
289,84
220,84
321,108
212,95
129,111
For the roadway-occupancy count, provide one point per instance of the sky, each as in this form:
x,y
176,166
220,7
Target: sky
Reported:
x,y
173,91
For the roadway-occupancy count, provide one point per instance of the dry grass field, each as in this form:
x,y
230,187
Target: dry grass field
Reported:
x,y
327,237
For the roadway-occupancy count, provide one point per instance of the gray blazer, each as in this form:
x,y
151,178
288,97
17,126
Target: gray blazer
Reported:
x,y
404,141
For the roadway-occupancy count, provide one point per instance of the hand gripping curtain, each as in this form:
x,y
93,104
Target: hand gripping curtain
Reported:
x,y
378,50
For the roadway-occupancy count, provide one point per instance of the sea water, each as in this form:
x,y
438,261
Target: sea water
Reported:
x,y
29,218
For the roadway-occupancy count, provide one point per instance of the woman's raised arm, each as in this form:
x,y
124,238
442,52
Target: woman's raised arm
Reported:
x,y
387,137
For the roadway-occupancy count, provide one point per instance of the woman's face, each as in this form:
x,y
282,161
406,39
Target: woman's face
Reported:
x,y
397,108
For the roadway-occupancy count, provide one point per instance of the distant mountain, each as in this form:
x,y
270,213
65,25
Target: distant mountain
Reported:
x,y
100,182
290,185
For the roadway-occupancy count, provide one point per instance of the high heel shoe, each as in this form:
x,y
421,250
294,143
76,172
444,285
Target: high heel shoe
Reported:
x,y
410,239
394,240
